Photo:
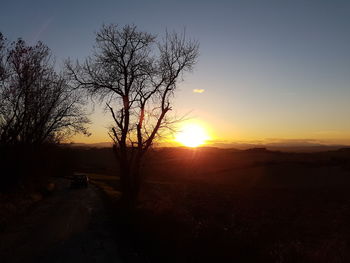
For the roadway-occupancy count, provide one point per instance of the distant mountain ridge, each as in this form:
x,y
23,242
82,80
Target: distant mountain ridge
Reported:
x,y
298,146
90,145
284,146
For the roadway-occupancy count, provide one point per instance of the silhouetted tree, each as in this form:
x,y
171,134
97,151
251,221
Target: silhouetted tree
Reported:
x,y
37,104
136,76
3,74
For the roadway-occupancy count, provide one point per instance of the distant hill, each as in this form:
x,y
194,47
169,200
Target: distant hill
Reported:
x,y
277,146
90,145
283,146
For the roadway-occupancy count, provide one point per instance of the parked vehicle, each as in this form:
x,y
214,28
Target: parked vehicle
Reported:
x,y
80,181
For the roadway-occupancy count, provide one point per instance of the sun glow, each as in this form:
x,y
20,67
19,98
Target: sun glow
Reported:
x,y
192,135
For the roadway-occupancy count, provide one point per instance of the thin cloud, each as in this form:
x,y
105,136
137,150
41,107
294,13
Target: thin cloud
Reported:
x,y
198,90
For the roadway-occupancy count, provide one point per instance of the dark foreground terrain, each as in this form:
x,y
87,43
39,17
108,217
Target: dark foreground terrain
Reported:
x,y
212,205
69,226
196,205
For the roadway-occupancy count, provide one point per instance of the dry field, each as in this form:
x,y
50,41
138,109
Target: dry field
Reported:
x,y
213,205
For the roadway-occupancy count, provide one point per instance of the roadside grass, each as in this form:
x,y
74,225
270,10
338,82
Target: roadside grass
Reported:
x,y
108,184
21,199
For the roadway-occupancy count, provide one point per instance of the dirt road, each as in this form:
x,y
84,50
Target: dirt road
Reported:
x,y
69,226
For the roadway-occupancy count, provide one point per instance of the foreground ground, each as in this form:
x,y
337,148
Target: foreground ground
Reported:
x,y
200,205
69,226
247,206
212,205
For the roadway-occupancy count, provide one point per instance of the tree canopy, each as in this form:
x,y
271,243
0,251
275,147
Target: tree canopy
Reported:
x,y
37,104
135,74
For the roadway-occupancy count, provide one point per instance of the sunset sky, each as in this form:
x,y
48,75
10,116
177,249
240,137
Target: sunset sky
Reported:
x,y
268,70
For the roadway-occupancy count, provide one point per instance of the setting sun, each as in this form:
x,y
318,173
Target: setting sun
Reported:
x,y
192,135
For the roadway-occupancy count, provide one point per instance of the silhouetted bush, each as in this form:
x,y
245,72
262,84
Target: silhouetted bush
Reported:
x,y
24,165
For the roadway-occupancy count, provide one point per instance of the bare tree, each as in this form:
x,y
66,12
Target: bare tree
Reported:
x,y
37,104
3,73
136,76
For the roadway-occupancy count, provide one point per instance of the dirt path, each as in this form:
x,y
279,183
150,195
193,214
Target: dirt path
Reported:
x,y
69,226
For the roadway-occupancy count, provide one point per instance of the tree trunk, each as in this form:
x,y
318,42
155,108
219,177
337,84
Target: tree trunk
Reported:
x,y
130,183
136,177
126,186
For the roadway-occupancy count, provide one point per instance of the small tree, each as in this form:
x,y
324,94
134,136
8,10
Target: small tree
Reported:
x,y
37,104
136,76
